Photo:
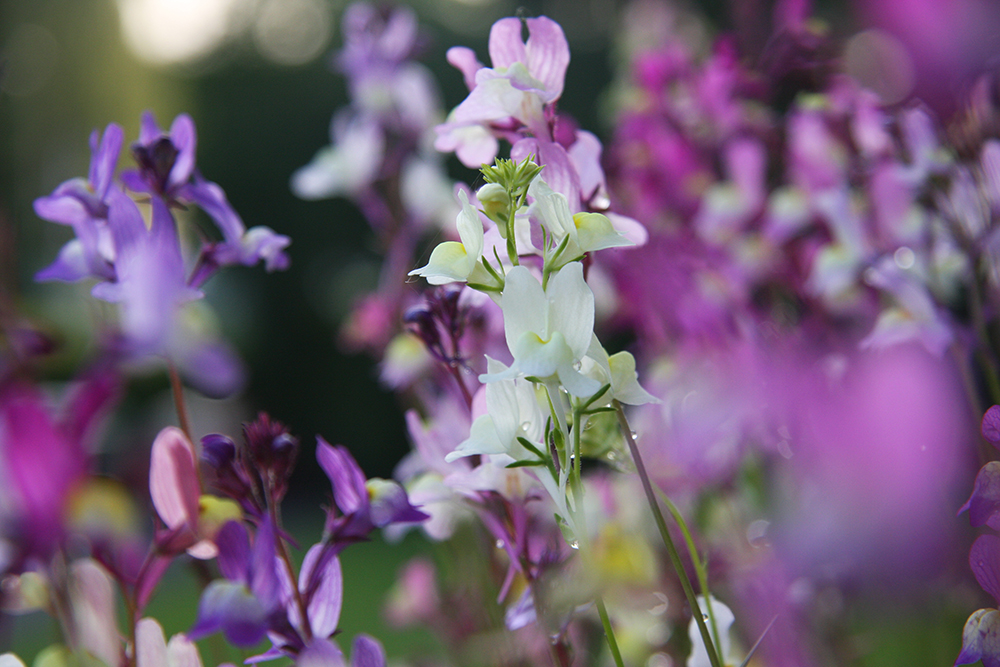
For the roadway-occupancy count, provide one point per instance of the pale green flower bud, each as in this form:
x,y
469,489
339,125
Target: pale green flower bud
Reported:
x,y
495,201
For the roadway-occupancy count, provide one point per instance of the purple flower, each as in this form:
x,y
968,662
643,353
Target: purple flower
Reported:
x,y
82,204
981,636
167,172
517,93
365,505
248,602
366,652
166,161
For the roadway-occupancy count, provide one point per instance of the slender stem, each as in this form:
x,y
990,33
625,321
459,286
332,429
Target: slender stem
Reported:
x,y
699,566
609,633
457,374
661,525
178,389
286,558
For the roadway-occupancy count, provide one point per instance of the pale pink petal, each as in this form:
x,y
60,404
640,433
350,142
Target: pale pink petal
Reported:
x,y
173,479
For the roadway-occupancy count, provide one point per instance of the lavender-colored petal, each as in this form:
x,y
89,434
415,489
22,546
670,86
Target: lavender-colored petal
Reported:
x,y
559,171
134,181
464,60
367,652
506,47
264,581
320,653
105,158
984,559
991,425
345,475
62,209
212,368
546,53
522,612
184,138
981,639
149,130
231,608
173,479
984,503
263,243
70,265
212,199
389,504
234,551
323,587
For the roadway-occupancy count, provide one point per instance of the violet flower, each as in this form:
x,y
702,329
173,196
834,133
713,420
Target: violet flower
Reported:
x,y
167,172
248,602
365,504
83,205
981,636
517,92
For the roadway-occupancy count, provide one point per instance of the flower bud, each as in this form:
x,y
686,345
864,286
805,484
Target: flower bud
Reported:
x,y
495,201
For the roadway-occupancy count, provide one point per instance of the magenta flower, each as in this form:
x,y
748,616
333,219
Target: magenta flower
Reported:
x,y
42,458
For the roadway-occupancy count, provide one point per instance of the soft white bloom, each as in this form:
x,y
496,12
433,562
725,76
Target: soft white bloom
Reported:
x,y
454,261
512,411
618,370
348,165
587,231
548,331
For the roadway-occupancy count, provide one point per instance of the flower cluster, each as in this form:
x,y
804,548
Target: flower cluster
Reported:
x,y
800,267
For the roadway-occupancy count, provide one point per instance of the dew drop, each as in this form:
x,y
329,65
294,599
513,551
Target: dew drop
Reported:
x,y
500,544
574,544
704,617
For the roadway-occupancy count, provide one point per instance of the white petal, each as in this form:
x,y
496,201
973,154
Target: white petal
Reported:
x,y
572,308
524,306
448,263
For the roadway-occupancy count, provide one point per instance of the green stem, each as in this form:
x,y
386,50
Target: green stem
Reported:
x,y
699,565
609,633
668,542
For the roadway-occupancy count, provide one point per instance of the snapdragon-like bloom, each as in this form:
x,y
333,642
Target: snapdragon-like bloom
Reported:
x,y
526,77
246,604
454,261
83,205
587,232
191,519
511,410
365,504
548,330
